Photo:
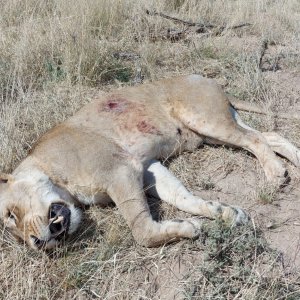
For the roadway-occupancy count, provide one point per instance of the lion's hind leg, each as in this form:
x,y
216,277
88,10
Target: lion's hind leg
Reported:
x,y
223,127
161,183
283,147
277,143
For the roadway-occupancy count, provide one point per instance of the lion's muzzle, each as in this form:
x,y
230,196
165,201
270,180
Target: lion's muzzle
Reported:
x,y
59,224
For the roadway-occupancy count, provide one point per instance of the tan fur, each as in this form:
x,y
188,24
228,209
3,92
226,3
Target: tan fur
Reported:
x,y
109,151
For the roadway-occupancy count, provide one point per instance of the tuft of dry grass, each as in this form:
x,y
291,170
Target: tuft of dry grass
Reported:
x,y
266,194
56,55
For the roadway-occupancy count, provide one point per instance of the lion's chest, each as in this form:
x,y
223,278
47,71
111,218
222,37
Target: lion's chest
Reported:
x,y
98,198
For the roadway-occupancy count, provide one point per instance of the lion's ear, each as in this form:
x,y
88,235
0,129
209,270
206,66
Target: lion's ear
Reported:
x,y
4,178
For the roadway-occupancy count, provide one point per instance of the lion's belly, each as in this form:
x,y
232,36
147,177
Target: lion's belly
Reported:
x,y
171,141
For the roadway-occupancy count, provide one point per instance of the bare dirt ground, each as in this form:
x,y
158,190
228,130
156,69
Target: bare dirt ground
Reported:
x,y
56,55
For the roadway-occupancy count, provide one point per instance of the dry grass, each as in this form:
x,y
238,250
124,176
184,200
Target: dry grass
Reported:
x,y
53,57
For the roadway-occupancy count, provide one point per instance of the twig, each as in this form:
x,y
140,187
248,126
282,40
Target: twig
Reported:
x,y
264,47
200,27
172,34
187,23
240,25
222,28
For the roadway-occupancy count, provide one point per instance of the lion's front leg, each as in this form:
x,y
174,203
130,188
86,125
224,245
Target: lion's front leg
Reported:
x,y
160,182
127,192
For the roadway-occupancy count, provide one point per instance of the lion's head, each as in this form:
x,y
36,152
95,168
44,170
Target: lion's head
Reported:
x,y
35,211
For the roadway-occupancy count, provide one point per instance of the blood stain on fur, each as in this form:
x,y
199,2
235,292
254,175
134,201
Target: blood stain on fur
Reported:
x,y
145,127
112,105
115,104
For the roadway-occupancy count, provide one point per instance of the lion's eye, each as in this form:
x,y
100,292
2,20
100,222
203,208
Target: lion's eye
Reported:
x,y
11,216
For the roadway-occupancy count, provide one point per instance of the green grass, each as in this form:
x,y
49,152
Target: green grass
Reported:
x,y
229,269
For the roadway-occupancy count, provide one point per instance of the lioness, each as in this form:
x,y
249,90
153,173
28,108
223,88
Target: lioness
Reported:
x,y
110,151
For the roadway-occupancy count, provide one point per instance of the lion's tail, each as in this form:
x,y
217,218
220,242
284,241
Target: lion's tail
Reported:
x,y
252,107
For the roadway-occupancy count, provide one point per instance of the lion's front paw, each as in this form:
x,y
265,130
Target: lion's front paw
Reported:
x,y
242,217
235,215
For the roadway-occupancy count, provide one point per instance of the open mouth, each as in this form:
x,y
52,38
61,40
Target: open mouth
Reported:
x,y
59,220
59,224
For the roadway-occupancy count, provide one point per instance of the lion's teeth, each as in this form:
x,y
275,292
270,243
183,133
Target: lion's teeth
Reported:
x,y
59,219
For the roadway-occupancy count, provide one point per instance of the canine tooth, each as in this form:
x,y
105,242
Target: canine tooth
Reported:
x,y
59,219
